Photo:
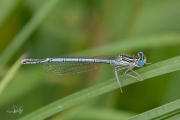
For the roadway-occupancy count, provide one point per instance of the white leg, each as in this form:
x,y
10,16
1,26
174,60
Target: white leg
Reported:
x,y
139,77
116,74
118,68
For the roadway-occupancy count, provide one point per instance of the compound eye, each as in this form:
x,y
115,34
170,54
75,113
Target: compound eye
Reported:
x,y
141,63
141,56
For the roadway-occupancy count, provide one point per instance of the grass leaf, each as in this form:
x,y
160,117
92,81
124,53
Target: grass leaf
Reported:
x,y
26,31
162,112
10,74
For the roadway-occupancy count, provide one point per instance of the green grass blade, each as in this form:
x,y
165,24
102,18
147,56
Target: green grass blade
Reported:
x,y
174,117
162,112
21,85
99,113
137,43
81,112
26,31
150,71
10,74
6,8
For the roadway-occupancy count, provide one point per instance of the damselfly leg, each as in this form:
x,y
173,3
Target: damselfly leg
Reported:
x,y
139,77
116,69
119,68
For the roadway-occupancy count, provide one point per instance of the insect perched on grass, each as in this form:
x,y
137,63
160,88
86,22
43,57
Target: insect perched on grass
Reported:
x,y
73,65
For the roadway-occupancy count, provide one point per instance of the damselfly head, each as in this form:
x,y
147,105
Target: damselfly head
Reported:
x,y
142,59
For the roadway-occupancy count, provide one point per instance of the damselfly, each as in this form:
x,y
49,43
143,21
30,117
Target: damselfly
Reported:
x,y
73,65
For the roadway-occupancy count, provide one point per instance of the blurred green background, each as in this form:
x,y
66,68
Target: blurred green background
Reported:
x,y
43,28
